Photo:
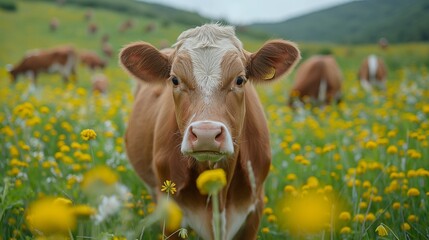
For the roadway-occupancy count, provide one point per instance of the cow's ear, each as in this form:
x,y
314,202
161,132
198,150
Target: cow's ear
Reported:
x,y
145,62
273,60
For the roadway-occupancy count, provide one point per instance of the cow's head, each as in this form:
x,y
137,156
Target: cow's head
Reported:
x,y
12,73
209,72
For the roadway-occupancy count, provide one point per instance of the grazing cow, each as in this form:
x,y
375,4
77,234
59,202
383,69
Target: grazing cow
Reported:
x,y
197,109
91,60
88,15
150,27
99,83
105,38
383,43
54,24
373,73
107,49
318,80
61,59
92,28
126,25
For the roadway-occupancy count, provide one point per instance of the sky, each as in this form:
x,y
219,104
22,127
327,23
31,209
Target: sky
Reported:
x,y
251,11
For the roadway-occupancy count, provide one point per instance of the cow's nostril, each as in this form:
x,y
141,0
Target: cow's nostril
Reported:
x,y
219,136
193,136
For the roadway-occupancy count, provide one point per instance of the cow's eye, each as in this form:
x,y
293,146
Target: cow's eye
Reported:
x,y
175,81
240,81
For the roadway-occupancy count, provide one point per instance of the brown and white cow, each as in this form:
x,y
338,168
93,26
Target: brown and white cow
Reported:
x,y
318,81
60,60
91,60
197,109
372,73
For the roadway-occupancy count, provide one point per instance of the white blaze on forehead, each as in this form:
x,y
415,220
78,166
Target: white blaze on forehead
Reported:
x,y
207,45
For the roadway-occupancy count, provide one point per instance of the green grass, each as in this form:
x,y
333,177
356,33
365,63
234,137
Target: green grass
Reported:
x,y
344,154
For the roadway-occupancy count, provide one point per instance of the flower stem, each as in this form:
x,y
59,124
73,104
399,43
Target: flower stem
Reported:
x,y
216,216
163,225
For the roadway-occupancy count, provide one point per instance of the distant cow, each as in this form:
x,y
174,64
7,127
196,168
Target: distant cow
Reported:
x,y
383,43
207,116
126,25
61,59
107,49
318,81
88,15
99,83
91,60
92,28
54,24
150,27
373,73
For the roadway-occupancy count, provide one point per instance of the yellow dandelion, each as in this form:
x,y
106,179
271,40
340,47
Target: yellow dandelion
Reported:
x,y
272,218
392,149
396,205
265,230
47,217
169,187
413,192
345,216
289,189
359,218
371,145
296,147
211,181
101,174
405,226
412,218
88,134
312,182
345,230
268,211
370,217
381,230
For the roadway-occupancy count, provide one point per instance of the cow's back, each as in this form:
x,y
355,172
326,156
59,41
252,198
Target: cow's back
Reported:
x,y
308,77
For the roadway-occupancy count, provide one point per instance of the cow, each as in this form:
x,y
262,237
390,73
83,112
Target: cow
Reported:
x,y
92,28
318,81
372,73
88,15
60,59
54,24
91,60
100,83
383,43
107,49
197,109
128,24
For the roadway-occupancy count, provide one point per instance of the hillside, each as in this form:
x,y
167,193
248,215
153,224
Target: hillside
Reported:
x,y
358,22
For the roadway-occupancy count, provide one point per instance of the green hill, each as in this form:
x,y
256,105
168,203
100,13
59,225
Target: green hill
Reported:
x,y
358,22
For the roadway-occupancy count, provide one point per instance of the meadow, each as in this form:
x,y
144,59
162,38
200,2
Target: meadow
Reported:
x,y
337,173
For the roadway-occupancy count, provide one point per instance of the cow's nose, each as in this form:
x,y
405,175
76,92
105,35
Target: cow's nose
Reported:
x,y
206,138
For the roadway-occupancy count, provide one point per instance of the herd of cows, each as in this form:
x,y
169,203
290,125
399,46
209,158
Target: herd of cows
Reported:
x,y
62,60
208,115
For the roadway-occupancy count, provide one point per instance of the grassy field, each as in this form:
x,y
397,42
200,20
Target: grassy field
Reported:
x,y
337,173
